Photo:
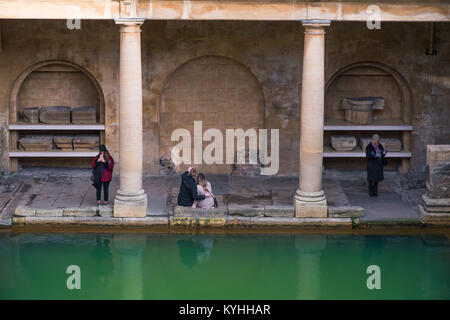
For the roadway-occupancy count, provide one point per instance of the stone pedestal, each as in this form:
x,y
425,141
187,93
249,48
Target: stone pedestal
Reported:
x,y
131,201
436,201
310,199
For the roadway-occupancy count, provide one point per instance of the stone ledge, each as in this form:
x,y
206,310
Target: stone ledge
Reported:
x,y
435,218
391,223
23,211
246,210
180,211
49,212
145,222
4,223
345,212
289,222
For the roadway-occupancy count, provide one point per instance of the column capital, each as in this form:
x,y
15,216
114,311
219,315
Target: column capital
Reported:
x,y
315,26
130,21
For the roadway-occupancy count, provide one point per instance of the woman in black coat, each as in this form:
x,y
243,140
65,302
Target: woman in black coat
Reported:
x,y
375,154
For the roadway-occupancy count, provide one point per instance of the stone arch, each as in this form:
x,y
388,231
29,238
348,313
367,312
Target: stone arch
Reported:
x,y
218,90
15,90
384,70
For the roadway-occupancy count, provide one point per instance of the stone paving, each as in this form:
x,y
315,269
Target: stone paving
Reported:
x,y
61,192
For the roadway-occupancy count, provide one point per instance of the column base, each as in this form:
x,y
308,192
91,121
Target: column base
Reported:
x,y
310,204
130,205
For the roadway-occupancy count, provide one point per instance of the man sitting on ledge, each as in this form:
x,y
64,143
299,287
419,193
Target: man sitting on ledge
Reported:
x,y
188,189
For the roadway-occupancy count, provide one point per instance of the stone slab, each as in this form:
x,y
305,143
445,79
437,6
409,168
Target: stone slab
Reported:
x,y
305,210
146,222
345,212
24,211
79,212
98,221
49,212
129,211
180,211
245,210
279,211
288,222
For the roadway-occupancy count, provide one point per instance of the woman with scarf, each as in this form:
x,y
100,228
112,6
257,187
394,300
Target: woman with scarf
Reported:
x,y
375,154
103,165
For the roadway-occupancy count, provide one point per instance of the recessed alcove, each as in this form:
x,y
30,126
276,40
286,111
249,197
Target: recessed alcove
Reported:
x,y
367,79
47,84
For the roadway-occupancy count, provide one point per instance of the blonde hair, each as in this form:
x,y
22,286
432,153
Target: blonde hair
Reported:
x,y
201,180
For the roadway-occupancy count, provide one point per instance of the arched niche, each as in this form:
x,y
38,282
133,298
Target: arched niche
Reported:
x,y
219,91
55,82
369,79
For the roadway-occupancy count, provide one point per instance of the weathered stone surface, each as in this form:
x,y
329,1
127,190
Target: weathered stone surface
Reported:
x,y
46,221
64,142
36,142
79,212
275,210
5,222
24,211
245,210
212,222
183,221
359,110
180,211
86,142
49,212
106,211
389,144
84,115
343,142
345,212
98,221
288,222
31,114
438,182
55,115
146,222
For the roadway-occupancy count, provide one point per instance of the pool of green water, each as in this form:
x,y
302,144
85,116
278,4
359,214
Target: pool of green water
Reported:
x,y
177,266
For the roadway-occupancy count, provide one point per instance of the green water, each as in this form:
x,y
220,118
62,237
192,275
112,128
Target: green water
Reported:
x,y
168,266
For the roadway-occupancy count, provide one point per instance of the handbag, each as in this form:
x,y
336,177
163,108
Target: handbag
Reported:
x,y
384,161
216,203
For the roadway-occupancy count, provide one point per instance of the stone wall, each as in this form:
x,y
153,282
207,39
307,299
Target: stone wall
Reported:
x,y
269,51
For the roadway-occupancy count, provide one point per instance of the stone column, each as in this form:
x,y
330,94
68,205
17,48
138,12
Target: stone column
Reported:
x,y
310,199
131,201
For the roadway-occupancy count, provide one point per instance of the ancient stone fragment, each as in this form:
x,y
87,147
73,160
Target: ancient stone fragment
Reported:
x,y
359,110
343,143
86,142
36,143
31,115
84,115
55,115
63,142
389,144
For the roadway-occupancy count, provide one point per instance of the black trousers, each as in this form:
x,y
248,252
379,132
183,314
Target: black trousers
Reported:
x,y
373,186
105,186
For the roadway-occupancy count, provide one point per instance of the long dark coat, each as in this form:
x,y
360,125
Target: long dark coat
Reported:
x,y
374,164
188,191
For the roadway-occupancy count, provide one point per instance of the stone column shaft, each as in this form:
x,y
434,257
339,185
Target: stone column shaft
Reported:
x,y
131,201
310,199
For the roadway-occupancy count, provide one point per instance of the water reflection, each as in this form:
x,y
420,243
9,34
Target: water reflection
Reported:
x,y
128,249
309,249
194,249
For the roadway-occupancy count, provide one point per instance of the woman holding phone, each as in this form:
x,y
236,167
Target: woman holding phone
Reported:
x,y
103,165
